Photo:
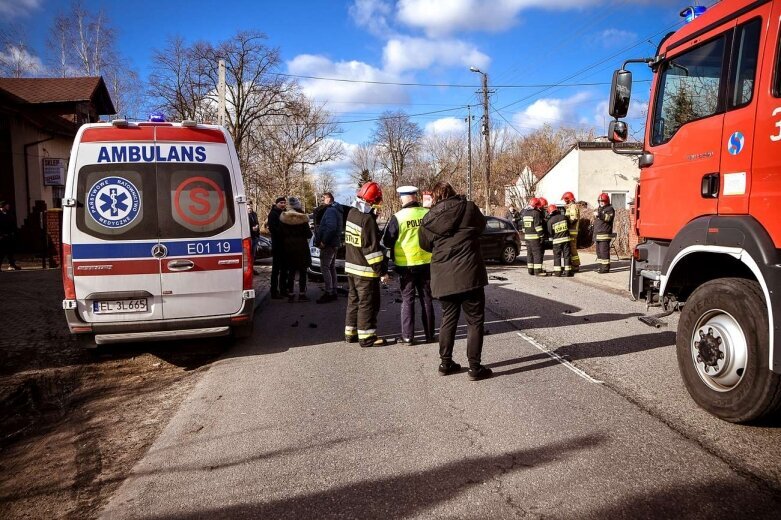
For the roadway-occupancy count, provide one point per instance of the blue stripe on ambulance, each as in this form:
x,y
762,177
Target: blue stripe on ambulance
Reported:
x,y
181,248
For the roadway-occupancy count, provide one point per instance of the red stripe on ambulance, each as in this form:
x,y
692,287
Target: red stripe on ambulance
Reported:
x,y
116,267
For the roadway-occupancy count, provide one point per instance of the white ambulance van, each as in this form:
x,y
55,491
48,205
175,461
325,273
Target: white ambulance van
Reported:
x,y
156,240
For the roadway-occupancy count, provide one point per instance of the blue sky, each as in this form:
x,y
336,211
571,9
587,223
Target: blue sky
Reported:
x,y
521,44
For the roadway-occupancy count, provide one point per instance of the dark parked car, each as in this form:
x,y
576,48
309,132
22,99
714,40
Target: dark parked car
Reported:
x,y
500,240
263,249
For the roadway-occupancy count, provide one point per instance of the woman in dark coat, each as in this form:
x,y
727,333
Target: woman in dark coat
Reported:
x,y
296,235
451,232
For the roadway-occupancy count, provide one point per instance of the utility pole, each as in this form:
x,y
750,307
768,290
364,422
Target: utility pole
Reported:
x,y
486,131
221,94
469,156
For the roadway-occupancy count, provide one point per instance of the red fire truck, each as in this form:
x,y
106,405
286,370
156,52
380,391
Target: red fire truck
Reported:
x,y
708,204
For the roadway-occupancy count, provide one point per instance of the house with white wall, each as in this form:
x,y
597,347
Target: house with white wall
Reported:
x,y
588,169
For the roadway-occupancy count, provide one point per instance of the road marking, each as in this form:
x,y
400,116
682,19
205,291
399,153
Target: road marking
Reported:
x,y
558,358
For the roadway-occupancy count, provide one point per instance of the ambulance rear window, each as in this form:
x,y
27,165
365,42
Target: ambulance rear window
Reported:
x,y
114,201
196,200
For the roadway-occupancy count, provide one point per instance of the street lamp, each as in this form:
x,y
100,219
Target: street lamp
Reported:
x,y
485,130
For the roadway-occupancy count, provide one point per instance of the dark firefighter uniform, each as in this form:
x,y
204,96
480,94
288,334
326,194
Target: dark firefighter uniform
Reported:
x,y
363,263
603,234
558,230
413,265
573,219
532,234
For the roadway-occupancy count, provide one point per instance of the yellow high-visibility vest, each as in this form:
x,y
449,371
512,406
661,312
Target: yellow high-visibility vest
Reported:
x,y
407,251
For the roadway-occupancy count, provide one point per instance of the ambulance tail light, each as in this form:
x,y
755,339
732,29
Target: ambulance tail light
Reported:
x,y
67,272
246,256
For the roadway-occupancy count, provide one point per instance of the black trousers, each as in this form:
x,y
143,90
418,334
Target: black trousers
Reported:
x,y
562,252
534,255
291,280
412,280
363,305
278,274
7,248
473,304
603,254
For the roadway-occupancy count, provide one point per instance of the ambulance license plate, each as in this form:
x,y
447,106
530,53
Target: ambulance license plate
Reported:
x,y
118,306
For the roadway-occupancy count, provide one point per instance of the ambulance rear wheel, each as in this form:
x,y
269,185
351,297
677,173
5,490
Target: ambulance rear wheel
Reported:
x,y
244,331
723,351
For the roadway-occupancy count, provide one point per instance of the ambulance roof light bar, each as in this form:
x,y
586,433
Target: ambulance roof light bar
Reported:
x,y
157,117
692,12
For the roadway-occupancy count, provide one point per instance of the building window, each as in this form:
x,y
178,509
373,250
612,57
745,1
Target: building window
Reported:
x,y
618,199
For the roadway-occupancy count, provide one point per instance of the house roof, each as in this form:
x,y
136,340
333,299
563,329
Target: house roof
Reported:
x,y
46,91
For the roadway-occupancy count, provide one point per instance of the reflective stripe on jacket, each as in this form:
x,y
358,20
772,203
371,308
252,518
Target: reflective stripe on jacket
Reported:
x,y
603,223
363,254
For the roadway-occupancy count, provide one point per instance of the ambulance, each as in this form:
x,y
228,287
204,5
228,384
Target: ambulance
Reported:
x,y
155,237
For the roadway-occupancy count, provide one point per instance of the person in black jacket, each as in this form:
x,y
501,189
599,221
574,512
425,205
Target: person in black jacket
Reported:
x,y
278,269
451,231
254,226
603,231
296,235
8,232
558,230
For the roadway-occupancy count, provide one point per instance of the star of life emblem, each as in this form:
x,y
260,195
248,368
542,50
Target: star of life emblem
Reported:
x,y
113,202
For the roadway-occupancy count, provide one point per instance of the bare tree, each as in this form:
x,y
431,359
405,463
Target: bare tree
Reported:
x,y
440,157
16,60
396,138
363,163
326,181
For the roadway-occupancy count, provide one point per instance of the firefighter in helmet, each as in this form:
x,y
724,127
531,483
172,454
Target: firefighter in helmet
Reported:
x,y
531,217
558,230
545,216
364,264
603,231
572,212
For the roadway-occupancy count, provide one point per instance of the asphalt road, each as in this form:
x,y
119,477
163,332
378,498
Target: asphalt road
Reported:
x,y
294,423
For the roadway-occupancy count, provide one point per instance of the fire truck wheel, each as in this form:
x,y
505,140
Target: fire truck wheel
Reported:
x,y
723,351
509,254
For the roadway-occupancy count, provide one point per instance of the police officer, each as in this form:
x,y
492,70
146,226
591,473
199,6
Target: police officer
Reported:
x,y
603,231
558,230
572,212
413,264
531,217
364,266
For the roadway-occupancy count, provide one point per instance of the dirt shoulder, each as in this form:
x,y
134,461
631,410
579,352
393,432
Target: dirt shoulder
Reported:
x,y
74,422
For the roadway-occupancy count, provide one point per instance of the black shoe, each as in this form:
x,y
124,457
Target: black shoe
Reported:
x,y
479,372
531,272
407,341
326,298
445,369
351,339
561,273
570,274
373,342
431,339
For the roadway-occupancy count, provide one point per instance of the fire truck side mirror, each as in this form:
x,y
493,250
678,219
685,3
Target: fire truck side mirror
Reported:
x,y
617,132
620,93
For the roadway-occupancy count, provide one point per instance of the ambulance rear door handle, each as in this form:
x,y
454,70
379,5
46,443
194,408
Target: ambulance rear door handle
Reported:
x,y
180,265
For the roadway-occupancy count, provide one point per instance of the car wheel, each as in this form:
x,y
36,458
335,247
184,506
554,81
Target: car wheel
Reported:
x,y
509,254
723,351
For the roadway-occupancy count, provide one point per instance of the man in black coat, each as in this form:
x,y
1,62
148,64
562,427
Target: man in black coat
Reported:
x,y
451,232
7,235
278,268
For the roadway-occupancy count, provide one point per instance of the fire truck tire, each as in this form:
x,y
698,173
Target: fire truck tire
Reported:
x,y
723,351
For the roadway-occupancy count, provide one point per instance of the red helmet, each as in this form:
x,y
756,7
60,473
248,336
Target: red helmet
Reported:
x,y
543,202
371,193
568,196
534,202
604,197
552,208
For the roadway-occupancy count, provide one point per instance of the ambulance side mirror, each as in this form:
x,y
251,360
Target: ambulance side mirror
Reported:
x,y
620,93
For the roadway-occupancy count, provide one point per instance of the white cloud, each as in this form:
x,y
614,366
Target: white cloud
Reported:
x,y
552,111
17,8
340,91
615,37
406,53
14,57
372,15
437,18
446,125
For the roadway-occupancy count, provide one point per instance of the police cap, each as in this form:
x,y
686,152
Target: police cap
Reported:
x,y
407,190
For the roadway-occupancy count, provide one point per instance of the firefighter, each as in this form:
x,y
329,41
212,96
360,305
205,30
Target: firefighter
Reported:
x,y
364,265
531,218
413,264
545,217
603,231
572,213
558,230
